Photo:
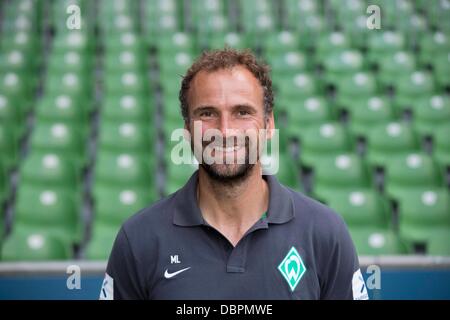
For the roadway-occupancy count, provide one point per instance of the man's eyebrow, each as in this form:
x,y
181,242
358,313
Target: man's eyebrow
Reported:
x,y
204,108
237,106
245,106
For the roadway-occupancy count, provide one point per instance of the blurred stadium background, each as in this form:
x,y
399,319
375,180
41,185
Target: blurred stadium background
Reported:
x,y
86,117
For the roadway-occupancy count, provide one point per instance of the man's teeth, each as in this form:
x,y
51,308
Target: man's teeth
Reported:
x,y
228,149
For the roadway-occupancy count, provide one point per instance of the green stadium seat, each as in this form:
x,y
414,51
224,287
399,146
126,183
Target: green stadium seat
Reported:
x,y
303,114
299,85
412,86
176,42
228,39
22,41
16,61
14,85
202,8
360,207
61,139
69,62
395,65
123,61
170,85
101,242
332,42
309,28
433,43
120,41
438,242
210,24
76,40
437,12
123,169
367,112
164,23
441,69
382,43
430,112
294,8
119,23
53,210
358,85
410,171
125,83
19,23
70,83
387,140
356,29
34,245
422,213
132,108
325,140
111,8
12,110
441,145
50,171
342,172
63,108
258,23
377,241
414,26
161,18
176,64
280,42
114,205
287,63
341,62
124,137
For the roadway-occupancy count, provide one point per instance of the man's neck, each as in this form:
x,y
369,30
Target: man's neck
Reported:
x,y
233,208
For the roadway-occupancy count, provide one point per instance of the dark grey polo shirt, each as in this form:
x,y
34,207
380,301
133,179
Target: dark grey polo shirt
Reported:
x,y
300,250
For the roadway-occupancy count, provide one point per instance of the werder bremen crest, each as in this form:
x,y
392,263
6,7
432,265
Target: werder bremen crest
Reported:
x,y
292,268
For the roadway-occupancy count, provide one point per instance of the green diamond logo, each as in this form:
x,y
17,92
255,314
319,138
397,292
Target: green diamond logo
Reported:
x,y
292,268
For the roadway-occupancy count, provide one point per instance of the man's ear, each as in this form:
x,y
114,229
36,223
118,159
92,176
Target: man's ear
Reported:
x,y
270,125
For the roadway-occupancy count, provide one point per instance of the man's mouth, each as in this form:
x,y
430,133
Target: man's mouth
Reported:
x,y
228,149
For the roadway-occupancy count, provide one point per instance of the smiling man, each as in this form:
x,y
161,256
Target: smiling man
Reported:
x,y
232,232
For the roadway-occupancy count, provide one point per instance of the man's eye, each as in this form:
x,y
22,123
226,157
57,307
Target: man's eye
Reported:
x,y
206,114
243,113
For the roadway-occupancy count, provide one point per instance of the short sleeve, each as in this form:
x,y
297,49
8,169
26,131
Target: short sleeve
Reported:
x,y
343,280
122,279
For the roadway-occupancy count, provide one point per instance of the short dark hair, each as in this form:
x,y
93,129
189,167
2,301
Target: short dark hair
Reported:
x,y
224,59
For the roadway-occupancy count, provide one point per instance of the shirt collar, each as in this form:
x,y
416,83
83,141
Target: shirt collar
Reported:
x,y
187,212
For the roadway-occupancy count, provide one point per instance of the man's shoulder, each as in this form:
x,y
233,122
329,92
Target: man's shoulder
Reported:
x,y
314,213
152,217
321,225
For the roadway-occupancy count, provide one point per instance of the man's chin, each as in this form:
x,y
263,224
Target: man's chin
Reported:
x,y
228,173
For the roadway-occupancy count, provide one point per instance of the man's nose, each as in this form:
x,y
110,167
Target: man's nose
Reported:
x,y
224,125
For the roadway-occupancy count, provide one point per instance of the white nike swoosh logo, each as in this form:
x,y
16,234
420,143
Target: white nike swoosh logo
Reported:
x,y
168,275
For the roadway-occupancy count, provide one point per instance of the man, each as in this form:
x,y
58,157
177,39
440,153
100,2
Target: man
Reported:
x,y
231,232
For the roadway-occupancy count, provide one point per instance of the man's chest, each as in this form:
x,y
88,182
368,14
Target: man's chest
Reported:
x,y
251,270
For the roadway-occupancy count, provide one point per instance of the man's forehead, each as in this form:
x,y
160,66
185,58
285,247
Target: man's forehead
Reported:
x,y
237,79
237,73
